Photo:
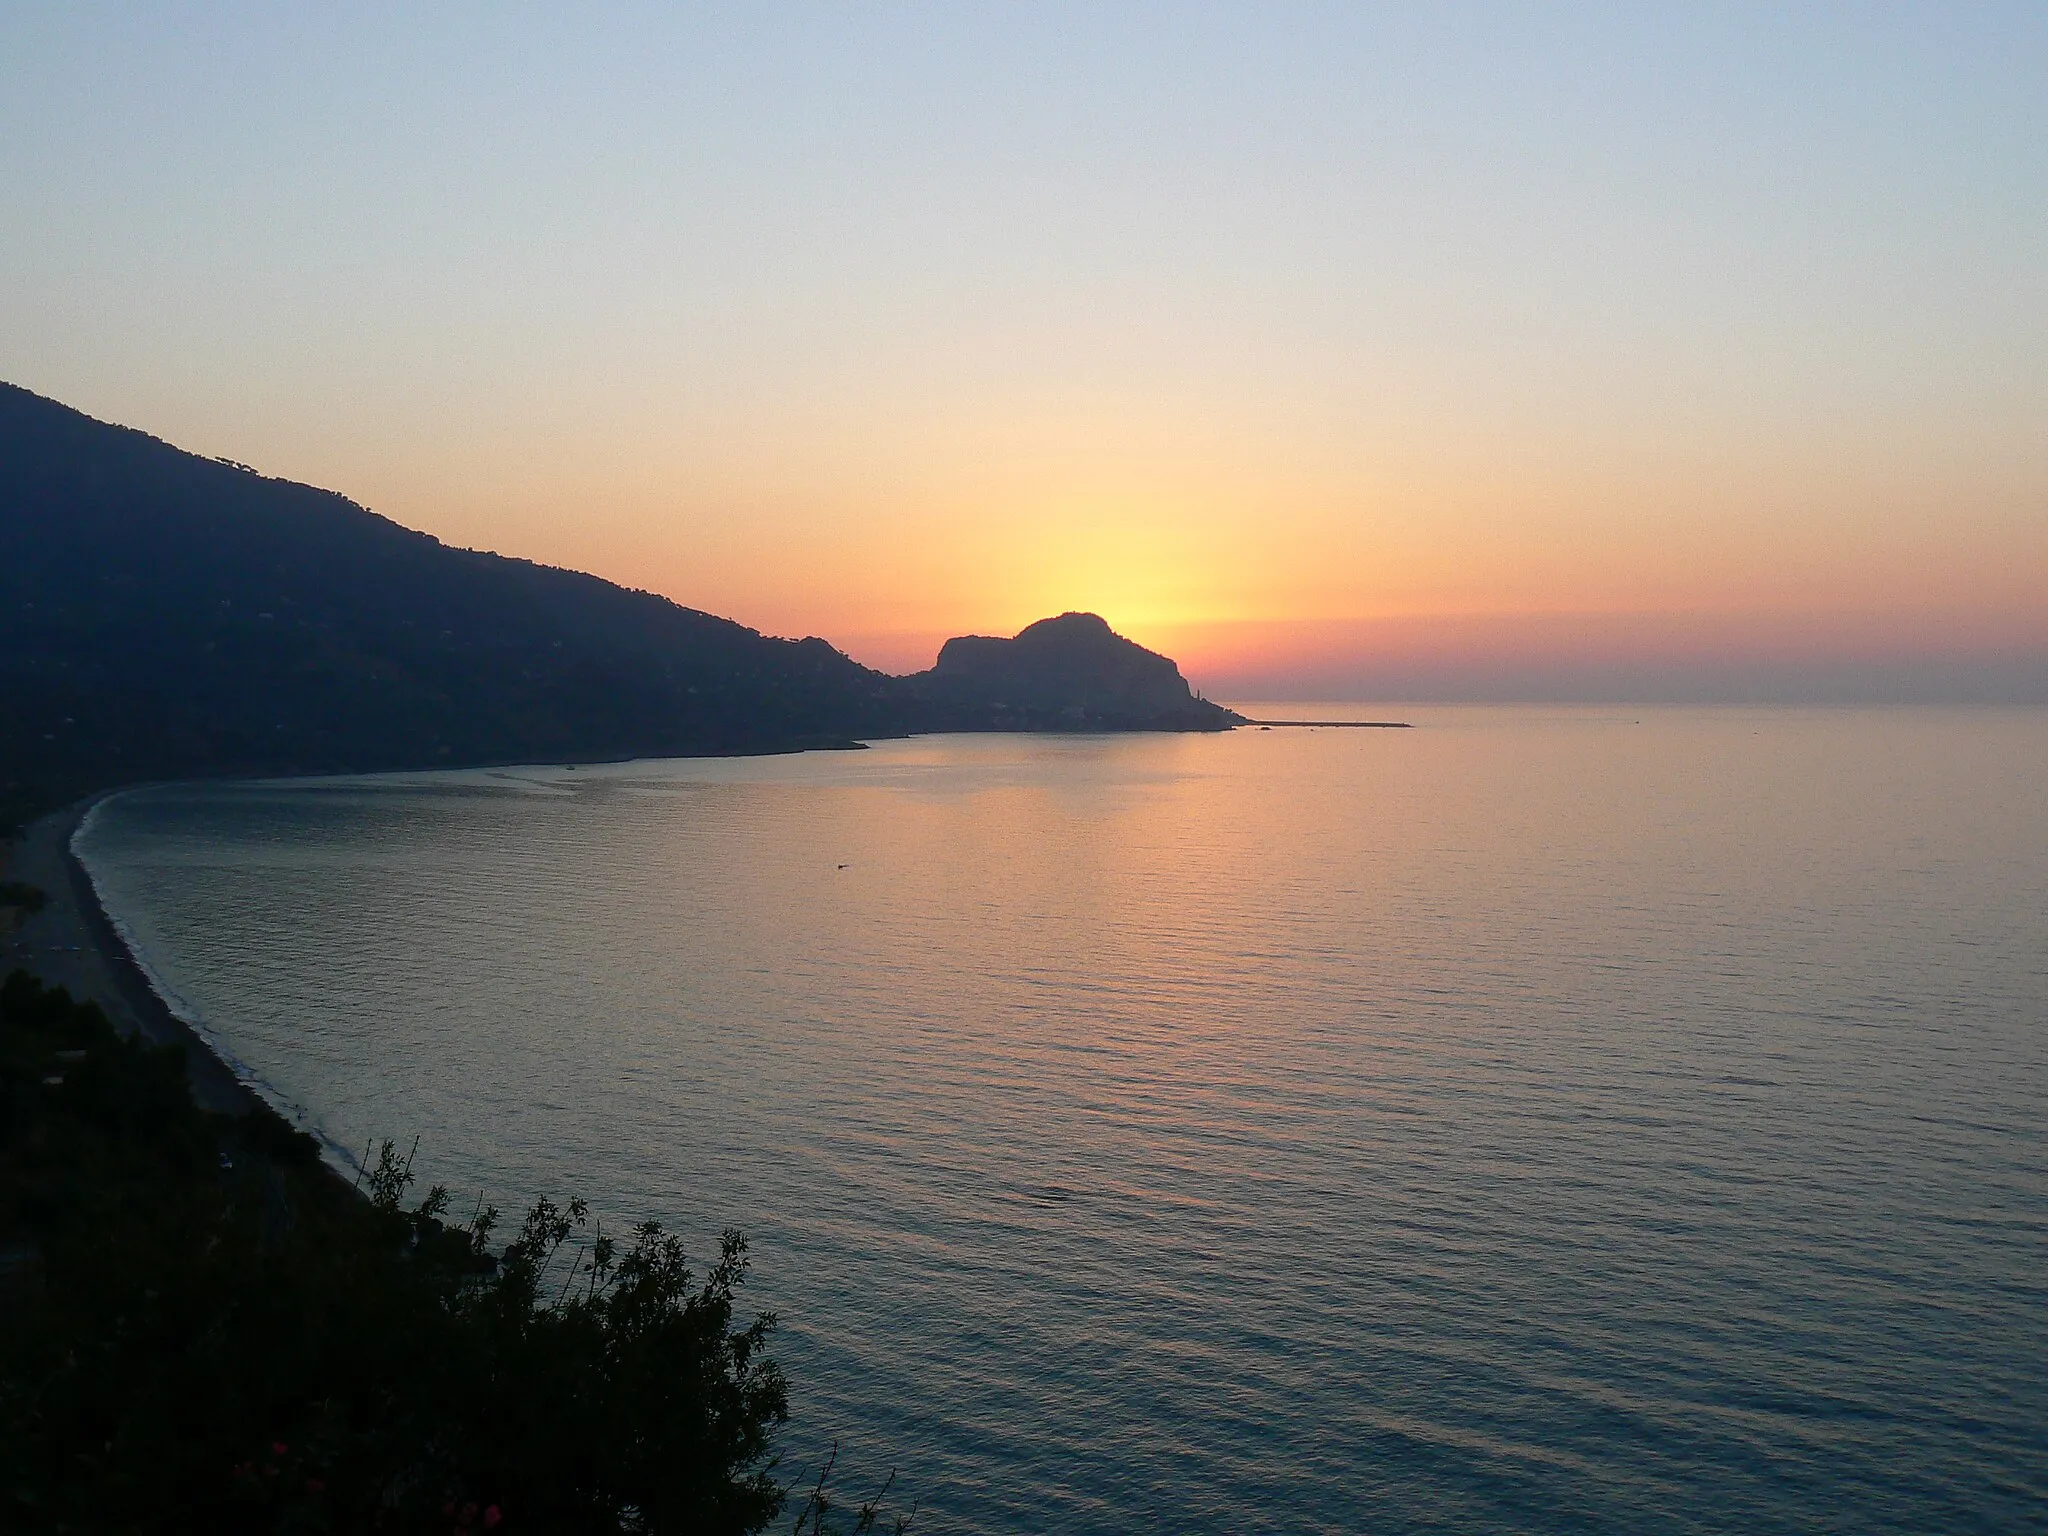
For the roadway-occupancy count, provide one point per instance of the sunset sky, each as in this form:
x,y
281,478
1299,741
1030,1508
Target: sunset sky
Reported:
x,y
1644,351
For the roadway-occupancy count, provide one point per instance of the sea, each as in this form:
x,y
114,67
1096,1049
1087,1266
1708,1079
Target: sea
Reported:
x,y
1537,1120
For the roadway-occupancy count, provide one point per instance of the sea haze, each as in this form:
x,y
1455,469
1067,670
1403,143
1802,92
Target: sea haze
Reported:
x,y
1532,1121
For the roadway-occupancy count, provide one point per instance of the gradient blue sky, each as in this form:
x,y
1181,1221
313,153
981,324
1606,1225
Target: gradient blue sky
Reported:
x,y
1591,351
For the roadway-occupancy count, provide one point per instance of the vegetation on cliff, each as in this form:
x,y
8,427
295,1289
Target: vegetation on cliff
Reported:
x,y
201,1328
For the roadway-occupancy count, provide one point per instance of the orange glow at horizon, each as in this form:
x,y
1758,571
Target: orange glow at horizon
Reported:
x,y
1227,568
1317,343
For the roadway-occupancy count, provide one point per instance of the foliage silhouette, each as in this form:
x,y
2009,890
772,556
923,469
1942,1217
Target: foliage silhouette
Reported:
x,y
198,1332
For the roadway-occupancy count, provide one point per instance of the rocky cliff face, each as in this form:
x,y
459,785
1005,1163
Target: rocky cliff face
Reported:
x,y
1069,673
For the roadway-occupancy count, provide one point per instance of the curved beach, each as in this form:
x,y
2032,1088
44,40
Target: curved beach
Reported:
x,y
72,943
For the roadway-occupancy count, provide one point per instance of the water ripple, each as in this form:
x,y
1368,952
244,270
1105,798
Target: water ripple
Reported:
x,y
1523,1123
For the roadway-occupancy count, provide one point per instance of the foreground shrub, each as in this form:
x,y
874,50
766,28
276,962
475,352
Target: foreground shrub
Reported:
x,y
201,1328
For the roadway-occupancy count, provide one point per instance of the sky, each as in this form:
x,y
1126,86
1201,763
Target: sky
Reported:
x,y
1492,351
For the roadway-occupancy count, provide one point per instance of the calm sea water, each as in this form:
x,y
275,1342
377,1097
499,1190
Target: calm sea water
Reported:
x,y
1534,1121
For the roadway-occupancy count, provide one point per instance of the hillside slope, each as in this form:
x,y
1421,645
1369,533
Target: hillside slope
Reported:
x,y
1068,673
165,614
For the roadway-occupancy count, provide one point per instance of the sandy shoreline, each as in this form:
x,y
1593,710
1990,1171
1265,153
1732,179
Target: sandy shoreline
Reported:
x,y
72,943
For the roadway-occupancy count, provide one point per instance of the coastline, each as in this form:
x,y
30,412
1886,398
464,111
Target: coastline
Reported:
x,y
73,943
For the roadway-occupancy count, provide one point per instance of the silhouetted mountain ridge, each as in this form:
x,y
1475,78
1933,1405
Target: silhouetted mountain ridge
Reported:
x,y
168,615
175,615
1068,673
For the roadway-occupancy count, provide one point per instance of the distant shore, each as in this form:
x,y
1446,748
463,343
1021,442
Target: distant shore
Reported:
x,y
73,943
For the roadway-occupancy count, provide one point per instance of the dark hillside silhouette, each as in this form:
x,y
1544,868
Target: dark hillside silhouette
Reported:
x,y
1069,673
164,615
